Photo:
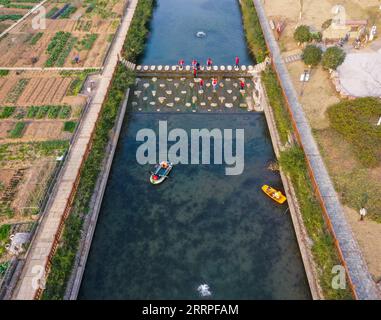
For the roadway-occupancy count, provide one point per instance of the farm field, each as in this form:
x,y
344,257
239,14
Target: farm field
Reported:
x,y
40,110
318,96
82,31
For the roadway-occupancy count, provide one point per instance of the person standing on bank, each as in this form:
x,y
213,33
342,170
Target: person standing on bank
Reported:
x,y
237,62
363,213
214,84
194,72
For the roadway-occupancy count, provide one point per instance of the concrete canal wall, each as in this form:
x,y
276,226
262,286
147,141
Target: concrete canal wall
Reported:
x,y
74,283
351,256
42,249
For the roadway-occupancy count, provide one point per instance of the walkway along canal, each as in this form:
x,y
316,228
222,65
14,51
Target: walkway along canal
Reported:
x,y
360,279
201,226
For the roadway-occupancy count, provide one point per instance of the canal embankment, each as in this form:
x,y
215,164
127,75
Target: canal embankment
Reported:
x,y
303,162
54,247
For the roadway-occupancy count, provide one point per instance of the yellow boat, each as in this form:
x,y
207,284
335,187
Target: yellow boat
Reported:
x,y
274,194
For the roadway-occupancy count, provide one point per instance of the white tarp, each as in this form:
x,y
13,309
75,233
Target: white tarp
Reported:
x,y
360,74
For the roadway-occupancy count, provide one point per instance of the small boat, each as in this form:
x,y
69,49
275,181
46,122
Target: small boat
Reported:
x,y
274,194
161,172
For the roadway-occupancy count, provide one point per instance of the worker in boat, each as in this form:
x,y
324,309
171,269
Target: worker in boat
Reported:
x,y
277,195
236,61
164,165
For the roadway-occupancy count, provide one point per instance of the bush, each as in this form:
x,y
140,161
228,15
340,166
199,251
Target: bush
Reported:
x,y
355,121
333,57
277,103
253,30
302,34
323,249
69,126
63,259
137,33
312,55
317,36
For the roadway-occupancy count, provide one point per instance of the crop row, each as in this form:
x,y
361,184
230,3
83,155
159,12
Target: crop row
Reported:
x,y
56,46
16,91
52,112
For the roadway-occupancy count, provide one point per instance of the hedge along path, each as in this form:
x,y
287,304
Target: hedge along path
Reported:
x,y
45,241
360,279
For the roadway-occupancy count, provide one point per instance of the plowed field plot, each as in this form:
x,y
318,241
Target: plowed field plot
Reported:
x,y
33,88
22,49
42,91
5,127
44,130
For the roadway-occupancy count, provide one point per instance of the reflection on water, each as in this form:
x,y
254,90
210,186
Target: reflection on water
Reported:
x,y
199,227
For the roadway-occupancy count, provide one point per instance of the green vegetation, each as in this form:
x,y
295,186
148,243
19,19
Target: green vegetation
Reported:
x,y
3,72
277,103
302,34
16,91
50,111
356,121
5,230
253,29
69,126
32,150
52,12
14,17
64,54
87,42
6,112
100,8
56,48
293,162
17,5
35,38
68,12
138,30
333,57
312,55
77,83
63,260
17,131
83,25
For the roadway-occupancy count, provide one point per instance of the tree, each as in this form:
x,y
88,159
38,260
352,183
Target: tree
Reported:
x,y
333,57
312,55
302,34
